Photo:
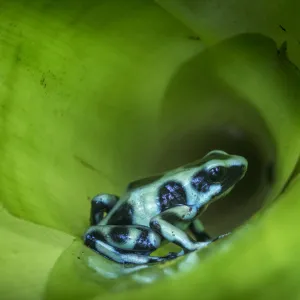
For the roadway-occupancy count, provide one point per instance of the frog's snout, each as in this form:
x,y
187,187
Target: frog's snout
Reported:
x,y
241,167
244,170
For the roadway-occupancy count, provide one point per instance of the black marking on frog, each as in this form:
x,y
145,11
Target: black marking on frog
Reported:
x,y
154,224
173,218
143,243
200,181
92,237
119,235
122,216
236,171
171,194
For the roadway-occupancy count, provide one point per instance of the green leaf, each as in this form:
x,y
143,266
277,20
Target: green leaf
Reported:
x,y
97,93
28,253
80,273
241,55
231,78
75,79
215,20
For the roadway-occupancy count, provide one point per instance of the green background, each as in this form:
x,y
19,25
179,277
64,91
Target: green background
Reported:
x,y
94,94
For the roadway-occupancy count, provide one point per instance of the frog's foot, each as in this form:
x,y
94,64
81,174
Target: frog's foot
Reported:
x,y
221,236
174,255
199,247
200,234
100,204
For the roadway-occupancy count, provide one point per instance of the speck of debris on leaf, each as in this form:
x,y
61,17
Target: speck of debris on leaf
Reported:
x,y
282,28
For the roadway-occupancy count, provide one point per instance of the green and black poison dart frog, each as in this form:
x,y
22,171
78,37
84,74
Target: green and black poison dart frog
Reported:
x,y
160,209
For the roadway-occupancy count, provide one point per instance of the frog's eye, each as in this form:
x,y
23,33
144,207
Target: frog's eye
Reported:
x,y
216,174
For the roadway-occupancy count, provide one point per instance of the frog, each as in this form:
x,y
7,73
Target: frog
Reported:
x,y
160,209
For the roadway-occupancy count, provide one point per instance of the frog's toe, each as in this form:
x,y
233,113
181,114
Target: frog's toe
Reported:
x,y
221,236
201,245
90,239
171,255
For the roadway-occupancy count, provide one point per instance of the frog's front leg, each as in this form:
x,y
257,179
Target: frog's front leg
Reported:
x,y
100,204
166,225
198,231
124,244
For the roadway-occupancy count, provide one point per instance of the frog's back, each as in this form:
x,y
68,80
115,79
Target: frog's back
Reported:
x,y
136,207
121,214
146,198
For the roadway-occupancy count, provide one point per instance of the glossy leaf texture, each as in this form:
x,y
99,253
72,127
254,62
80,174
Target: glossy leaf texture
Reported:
x,y
216,20
28,253
76,81
76,78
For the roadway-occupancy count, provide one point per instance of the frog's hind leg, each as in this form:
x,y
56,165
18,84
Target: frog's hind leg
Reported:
x,y
124,244
198,231
101,204
166,225
201,235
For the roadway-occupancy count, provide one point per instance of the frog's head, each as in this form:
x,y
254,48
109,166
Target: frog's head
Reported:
x,y
216,174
